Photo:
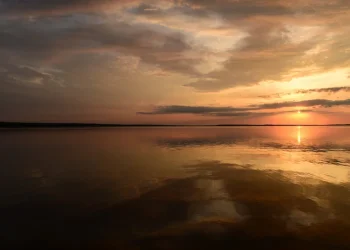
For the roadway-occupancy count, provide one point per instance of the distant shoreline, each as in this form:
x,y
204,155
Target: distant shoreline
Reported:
x,y
109,125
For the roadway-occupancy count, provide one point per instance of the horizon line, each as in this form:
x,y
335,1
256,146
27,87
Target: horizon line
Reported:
x,y
79,124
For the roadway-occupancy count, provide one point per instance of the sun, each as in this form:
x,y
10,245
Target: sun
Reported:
x,y
300,115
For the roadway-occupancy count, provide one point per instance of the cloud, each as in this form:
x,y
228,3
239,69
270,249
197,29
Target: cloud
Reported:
x,y
307,103
310,91
56,7
231,113
256,114
251,110
26,75
265,47
177,109
279,47
204,45
268,54
164,49
195,7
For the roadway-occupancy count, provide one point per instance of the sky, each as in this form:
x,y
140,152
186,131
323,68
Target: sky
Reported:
x,y
175,61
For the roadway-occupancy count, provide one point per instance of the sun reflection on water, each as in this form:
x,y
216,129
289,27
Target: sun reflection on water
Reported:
x,y
299,135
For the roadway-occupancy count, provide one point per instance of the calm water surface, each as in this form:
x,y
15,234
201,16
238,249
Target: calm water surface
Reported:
x,y
176,188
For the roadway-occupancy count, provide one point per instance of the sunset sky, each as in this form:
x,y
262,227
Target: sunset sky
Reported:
x,y
175,61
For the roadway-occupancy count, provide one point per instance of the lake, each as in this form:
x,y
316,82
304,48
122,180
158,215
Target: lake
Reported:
x,y
175,188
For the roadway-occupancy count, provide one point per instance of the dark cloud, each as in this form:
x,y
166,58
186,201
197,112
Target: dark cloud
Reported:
x,y
252,110
310,91
155,47
256,114
236,10
225,8
307,103
52,7
177,109
213,111
14,74
326,90
231,11
162,49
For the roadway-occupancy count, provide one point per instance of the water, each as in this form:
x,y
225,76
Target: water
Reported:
x,y
175,188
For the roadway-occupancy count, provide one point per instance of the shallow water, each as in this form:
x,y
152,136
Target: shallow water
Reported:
x,y
176,188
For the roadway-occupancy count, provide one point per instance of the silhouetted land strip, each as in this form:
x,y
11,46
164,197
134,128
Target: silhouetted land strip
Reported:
x,y
96,125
